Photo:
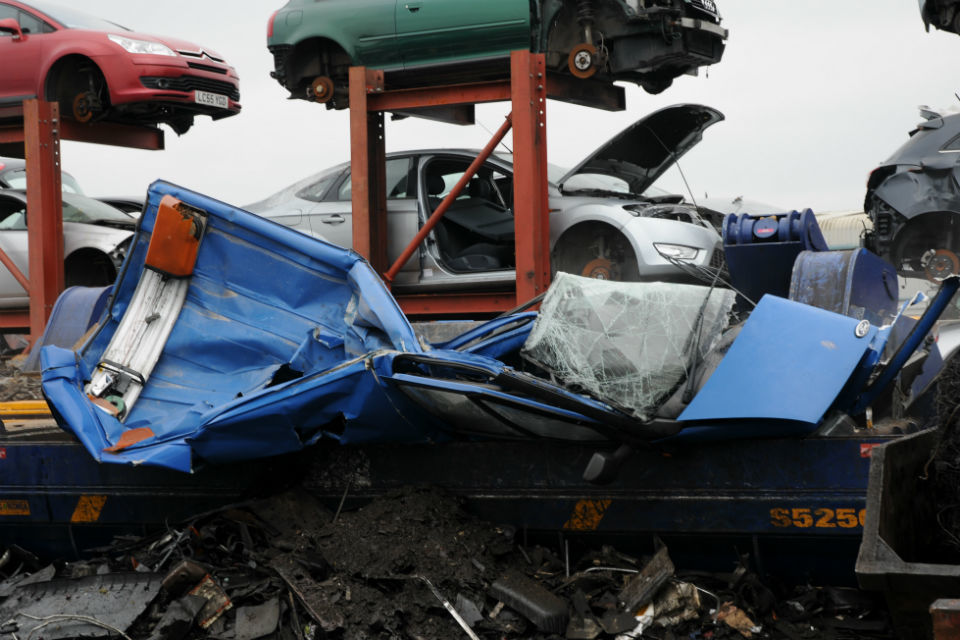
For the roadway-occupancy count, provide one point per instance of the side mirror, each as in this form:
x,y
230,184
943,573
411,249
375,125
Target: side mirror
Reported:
x,y
11,26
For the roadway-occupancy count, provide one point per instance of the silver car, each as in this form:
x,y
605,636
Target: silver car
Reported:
x,y
601,224
13,175
95,240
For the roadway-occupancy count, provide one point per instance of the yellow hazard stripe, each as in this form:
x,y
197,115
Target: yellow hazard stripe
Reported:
x,y
88,509
24,408
587,515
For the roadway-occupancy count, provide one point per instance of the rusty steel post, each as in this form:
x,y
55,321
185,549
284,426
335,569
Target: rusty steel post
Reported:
x,y
447,200
368,169
531,207
41,124
946,619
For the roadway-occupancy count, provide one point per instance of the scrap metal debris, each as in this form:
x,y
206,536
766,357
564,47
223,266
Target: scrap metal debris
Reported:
x,y
409,565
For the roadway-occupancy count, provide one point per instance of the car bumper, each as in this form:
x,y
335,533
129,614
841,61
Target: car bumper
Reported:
x,y
140,79
644,233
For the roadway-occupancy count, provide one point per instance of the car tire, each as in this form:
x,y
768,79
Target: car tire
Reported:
x,y
595,250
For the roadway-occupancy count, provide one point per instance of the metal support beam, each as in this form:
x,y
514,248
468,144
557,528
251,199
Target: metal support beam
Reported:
x,y
945,614
531,208
471,305
32,129
45,210
368,171
112,133
472,93
596,94
527,90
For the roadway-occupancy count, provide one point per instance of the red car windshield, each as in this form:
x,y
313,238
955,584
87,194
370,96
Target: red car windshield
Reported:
x,y
75,19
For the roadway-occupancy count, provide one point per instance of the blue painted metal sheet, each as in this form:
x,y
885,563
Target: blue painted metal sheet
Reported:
x,y
284,340
760,250
76,310
262,298
789,363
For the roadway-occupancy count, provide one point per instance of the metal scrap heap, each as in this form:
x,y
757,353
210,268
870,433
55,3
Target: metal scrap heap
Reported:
x,y
411,565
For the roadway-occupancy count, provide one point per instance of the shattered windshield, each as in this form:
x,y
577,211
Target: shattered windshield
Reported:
x,y
630,344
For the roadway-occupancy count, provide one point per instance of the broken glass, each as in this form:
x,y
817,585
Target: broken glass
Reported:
x,y
630,344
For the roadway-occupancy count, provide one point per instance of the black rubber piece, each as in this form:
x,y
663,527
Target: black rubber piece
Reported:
x,y
528,598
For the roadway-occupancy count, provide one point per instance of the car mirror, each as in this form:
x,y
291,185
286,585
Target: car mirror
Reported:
x,y
11,26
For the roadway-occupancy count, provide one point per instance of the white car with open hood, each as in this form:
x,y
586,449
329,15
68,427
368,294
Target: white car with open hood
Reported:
x,y
603,223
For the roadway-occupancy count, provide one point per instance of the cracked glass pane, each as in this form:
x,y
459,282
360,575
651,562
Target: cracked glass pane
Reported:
x,y
630,344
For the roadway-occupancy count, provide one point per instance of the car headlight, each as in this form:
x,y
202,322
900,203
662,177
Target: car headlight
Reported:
x,y
142,46
676,251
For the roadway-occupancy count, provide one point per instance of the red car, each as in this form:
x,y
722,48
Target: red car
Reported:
x,y
97,69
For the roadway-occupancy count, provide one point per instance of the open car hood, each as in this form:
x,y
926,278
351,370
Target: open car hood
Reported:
x,y
642,152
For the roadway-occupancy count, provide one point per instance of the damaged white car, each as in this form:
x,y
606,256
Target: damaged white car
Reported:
x,y
602,222
95,240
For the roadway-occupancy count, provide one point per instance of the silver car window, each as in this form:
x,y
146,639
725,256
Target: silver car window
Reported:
x,y
17,179
397,181
82,209
13,215
316,190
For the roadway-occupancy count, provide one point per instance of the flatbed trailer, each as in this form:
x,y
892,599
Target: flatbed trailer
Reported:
x,y
796,505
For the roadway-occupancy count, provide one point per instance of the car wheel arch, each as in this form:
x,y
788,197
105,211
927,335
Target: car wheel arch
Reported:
x,y
929,219
60,69
573,241
305,53
88,266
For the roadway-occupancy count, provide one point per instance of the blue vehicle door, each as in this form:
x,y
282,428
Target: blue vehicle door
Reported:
x,y
433,31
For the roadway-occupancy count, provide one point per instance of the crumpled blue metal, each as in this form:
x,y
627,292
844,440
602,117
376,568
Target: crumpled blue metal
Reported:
x,y
284,339
262,298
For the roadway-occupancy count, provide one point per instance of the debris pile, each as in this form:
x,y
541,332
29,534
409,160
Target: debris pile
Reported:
x,y
16,385
411,565
942,473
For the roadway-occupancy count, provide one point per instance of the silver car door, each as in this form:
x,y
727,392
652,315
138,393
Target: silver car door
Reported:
x,y
332,219
451,269
402,218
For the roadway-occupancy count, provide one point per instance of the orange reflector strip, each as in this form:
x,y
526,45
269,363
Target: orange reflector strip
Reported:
x,y
14,508
587,515
88,509
130,438
175,239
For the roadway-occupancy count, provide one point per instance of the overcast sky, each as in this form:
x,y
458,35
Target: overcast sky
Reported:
x,y
816,93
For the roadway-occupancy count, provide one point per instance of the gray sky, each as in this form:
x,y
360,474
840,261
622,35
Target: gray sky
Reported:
x,y
816,93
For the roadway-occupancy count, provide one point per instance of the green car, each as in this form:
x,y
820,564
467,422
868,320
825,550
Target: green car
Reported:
x,y
649,42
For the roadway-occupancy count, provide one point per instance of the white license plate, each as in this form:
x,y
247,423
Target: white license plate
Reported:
x,y
212,99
